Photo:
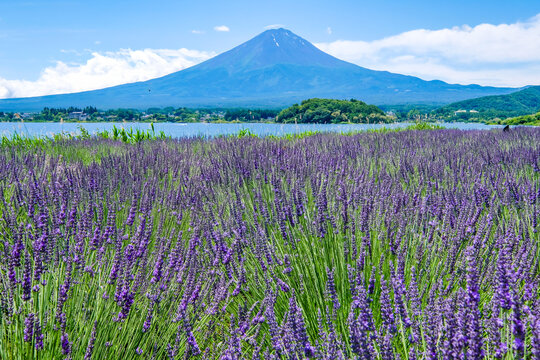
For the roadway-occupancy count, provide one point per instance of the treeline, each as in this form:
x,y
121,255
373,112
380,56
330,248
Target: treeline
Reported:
x,y
167,114
250,115
330,111
492,108
313,111
533,119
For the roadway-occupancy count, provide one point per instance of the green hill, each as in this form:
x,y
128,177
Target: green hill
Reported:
x,y
523,102
533,119
330,111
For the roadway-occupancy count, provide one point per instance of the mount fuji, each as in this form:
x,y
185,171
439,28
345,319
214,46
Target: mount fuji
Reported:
x,y
274,69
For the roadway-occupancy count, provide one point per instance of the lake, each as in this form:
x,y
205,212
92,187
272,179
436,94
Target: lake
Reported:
x,y
178,130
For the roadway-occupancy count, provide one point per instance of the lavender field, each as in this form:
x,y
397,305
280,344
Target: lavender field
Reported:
x,y
398,245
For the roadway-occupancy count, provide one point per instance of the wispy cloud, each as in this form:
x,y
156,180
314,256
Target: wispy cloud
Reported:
x,y
197,31
222,28
329,30
274,26
103,70
71,51
487,54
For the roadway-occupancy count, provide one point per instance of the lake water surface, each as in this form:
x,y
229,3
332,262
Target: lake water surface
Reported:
x,y
178,130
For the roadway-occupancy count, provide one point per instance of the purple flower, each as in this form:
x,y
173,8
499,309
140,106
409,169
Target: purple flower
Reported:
x,y
287,262
27,278
29,328
474,330
331,288
322,210
387,312
297,327
64,288
193,346
518,327
38,335
282,285
503,293
535,337
126,305
90,347
273,326
148,321
371,286
66,345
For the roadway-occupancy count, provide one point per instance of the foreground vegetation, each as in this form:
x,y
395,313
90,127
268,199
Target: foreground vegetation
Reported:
x,y
407,244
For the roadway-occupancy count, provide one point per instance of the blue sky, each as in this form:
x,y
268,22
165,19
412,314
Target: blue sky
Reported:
x,y
66,46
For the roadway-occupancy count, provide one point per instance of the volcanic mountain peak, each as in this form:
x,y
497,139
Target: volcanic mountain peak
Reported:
x,y
272,47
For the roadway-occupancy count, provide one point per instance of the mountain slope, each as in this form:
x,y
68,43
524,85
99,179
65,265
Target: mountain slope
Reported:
x,y
523,102
274,69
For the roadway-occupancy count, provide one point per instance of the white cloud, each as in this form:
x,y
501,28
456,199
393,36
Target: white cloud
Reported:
x,y
197,32
500,55
70,51
222,28
329,30
104,70
274,26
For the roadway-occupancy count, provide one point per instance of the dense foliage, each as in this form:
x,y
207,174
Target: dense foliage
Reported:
x,y
166,114
246,115
331,111
533,119
487,108
412,244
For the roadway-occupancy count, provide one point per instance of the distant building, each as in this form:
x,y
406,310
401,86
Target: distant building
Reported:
x,y
23,116
27,116
462,111
78,115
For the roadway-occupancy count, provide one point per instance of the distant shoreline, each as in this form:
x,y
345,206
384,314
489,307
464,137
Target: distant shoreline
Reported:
x,y
231,122
141,122
197,122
